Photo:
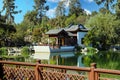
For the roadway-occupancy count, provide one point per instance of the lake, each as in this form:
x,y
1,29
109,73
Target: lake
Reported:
x,y
61,58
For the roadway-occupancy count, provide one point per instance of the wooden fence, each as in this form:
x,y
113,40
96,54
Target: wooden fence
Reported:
x,y
28,71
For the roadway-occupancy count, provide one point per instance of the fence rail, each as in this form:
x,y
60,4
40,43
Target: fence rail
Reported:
x,y
29,71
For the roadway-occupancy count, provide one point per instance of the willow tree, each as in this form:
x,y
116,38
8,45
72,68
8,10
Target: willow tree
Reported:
x,y
9,8
102,31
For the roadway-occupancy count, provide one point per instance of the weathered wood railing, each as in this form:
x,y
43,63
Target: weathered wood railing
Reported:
x,y
28,71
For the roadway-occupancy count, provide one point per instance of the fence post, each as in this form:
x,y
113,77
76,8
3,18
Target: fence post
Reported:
x,y
92,72
38,75
1,70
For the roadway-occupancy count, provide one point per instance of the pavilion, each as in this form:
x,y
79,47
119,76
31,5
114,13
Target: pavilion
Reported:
x,y
69,36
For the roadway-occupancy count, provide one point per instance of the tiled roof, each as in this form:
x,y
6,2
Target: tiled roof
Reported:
x,y
68,29
54,31
76,27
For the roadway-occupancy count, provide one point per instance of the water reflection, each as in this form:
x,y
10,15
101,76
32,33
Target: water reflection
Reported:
x,y
61,58
64,58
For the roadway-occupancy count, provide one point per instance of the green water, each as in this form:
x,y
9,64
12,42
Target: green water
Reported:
x,y
103,59
64,58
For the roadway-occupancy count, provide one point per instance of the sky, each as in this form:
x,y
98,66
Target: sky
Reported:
x,y
27,5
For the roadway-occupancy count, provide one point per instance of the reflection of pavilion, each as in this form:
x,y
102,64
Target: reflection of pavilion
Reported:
x,y
70,36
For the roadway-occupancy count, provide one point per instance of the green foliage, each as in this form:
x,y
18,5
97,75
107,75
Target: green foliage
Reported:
x,y
25,51
30,18
91,50
107,59
75,8
9,8
102,30
41,9
37,33
6,33
81,19
87,60
60,21
70,19
3,51
117,9
103,59
106,3
53,62
60,10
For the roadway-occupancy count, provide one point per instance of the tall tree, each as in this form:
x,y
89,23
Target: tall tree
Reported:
x,y
30,18
75,7
40,8
60,14
117,7
60,10
9,7
106,3
5,33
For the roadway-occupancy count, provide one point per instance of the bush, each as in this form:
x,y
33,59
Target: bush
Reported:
x,y
87,60
25,51
91,50
3,51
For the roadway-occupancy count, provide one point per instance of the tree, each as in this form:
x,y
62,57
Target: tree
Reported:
x,y
37,34
30,18
70,19
103,10
40,8
60,14
5,33
102,32
81,19
94,13
106,3
9,7
60,10
75,7
2,18
118,9
19,38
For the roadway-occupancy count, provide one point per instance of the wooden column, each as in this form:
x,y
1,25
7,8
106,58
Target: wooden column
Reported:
x,y
38,75
63,42
92,72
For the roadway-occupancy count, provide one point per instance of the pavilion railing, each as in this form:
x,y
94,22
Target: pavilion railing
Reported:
x,y
29,71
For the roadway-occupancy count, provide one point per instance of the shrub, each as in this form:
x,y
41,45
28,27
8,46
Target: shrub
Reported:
x,y
3,51
25,51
